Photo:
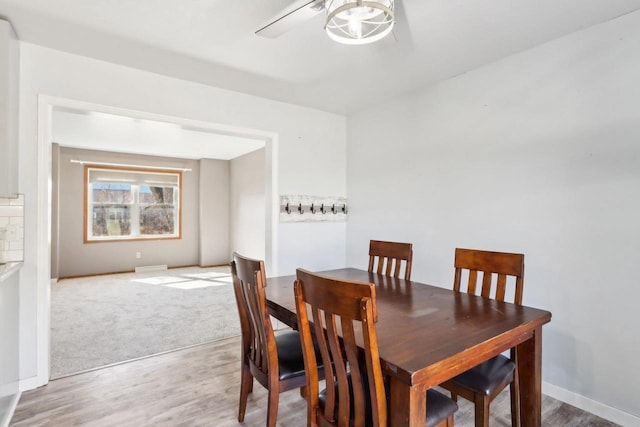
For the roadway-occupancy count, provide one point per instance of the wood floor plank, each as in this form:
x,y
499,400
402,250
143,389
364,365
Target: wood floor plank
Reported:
x,y
199,386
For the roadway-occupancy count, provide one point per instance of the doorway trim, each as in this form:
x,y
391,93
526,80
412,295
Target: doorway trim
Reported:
x,y
46,104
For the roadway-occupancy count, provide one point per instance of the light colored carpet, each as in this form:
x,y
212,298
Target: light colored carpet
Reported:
x,y
101,320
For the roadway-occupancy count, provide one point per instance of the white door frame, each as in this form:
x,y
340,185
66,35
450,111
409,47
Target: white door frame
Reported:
x,y
46,104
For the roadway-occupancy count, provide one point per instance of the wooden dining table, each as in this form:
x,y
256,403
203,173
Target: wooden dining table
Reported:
x,y
428,334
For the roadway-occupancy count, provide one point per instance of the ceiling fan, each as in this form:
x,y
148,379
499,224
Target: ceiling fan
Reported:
x,y
347,21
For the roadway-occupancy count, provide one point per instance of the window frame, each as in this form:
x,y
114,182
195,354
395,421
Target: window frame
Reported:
x,y
135,205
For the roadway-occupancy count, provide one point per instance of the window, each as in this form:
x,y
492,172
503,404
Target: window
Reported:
x,y
127,204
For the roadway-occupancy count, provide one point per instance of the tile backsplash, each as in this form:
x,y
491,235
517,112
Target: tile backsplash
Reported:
x,y
11,229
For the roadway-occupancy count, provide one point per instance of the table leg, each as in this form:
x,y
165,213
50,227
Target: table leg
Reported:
x,y
529,359
408,405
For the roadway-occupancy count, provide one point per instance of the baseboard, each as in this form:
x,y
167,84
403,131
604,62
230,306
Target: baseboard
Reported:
x,y
31,383
94,274
59,279
149,268
212,265
4,422
600,409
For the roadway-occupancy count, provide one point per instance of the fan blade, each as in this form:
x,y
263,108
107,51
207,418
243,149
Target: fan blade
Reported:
x,y
401,29
299,12
400,38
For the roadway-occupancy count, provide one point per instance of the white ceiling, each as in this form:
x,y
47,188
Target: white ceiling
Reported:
x,y
213,42
110,132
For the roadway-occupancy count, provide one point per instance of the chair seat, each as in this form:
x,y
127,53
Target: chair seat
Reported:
x,y
439,406
290,359
488,376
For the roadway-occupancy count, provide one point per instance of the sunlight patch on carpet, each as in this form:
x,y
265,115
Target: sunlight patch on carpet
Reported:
x,y
160,280
208,275
195,284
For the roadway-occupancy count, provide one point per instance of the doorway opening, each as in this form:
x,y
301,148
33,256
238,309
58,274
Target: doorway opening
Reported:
x,y
56,113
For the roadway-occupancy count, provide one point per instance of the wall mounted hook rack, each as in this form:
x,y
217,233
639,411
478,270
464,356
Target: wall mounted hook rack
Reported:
x,y
305,208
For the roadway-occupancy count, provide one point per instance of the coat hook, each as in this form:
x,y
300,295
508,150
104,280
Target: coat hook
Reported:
x,y
344,209
313,209
333,209
300,210
287,209
322,209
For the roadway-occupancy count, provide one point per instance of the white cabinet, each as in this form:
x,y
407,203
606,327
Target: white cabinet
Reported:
x,y
9,93
9,337
9,280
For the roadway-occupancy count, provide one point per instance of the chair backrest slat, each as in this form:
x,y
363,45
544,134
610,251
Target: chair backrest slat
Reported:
x,y
343,314
389,257
501,287
249,282
486,284
499,264
473,278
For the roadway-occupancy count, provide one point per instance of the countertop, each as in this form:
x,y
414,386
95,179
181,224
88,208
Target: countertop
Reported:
x,y
8,269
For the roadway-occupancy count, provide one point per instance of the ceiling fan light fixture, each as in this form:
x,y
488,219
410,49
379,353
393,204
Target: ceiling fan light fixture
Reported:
x,y
359,21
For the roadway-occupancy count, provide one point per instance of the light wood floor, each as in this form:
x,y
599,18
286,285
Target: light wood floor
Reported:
x,y
199,386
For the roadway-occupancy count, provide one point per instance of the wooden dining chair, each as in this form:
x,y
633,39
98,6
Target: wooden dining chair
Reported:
x,y
344,313
276,361
389,257
484,382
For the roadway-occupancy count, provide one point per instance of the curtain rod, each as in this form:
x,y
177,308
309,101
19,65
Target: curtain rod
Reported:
x,y
88,162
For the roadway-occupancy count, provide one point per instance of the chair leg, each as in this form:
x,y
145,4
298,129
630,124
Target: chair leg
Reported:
x,y
514,391
482,410
246,386
272,412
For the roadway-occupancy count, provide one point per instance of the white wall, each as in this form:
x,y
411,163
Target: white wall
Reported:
x,y
303,139
247,205
77,258
9,100
214,212
538,154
